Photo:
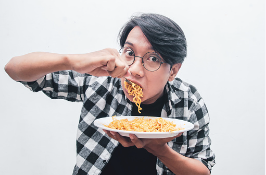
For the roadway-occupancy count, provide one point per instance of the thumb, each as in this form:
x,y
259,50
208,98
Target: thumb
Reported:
x,y
104,68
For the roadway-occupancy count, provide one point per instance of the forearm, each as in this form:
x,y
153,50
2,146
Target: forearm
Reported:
x,y
33,66
181,165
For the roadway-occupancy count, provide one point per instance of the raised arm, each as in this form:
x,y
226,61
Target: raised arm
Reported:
x,y
33,66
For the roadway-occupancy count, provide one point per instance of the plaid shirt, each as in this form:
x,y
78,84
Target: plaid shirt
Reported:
x,y
104,96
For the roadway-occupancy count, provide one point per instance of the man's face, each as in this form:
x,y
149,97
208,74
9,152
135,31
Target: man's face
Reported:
x,y
152,83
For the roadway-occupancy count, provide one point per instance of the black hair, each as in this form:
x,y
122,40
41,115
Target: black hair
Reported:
x,y
165,36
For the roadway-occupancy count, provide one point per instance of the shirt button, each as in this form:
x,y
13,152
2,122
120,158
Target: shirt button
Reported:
x,y
104,161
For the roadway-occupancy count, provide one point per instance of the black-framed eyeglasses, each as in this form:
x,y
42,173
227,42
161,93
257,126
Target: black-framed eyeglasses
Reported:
x,y
151,61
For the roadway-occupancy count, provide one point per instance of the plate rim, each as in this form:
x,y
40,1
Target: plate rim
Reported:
x,y
142,133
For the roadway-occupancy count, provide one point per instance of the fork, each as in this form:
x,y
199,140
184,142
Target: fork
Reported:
x,y
128,81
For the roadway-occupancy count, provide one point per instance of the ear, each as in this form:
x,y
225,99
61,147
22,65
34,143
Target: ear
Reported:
x,y
174,71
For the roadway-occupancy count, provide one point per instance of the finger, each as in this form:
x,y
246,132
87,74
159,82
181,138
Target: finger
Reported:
x,y
171,138
104,68
110,65
136,141
120,69
125,141
109,134
112,62
121,75
124,72
114,65
179,134
98,72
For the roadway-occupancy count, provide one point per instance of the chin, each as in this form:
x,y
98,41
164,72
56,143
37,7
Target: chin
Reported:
x,y
130,97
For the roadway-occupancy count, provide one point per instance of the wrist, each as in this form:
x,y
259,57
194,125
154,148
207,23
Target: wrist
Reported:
x,y
166,152
68,61
161,151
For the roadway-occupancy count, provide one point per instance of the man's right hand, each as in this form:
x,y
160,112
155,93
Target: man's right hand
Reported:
x,y
106,62
32,66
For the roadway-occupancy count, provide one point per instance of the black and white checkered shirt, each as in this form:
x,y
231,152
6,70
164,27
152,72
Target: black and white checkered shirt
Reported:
x,y
103,97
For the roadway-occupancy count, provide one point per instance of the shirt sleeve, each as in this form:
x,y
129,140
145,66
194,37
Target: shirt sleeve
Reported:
x,y
68,85
198,139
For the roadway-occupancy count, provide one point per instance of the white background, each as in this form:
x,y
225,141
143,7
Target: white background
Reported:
x,y
226,42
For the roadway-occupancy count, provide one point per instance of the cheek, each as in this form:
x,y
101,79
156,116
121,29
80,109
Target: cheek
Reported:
x,y
156,82
158,77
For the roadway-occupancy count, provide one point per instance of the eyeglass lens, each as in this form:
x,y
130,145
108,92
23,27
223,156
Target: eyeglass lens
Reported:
x,y
151,60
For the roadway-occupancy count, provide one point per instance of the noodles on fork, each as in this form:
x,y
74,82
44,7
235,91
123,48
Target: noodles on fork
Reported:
x,y
136,91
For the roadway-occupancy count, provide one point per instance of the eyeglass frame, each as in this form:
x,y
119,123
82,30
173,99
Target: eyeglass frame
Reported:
x,y
161,62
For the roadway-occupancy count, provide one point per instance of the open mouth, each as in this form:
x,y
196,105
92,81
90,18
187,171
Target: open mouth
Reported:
x,y
136,91
132,83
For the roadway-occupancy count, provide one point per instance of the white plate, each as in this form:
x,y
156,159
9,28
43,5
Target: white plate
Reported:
x,y
105,121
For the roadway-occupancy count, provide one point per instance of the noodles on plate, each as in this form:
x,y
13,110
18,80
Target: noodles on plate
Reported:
x,y
142,124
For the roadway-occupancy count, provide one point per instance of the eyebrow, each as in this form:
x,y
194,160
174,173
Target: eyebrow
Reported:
x,y
129,43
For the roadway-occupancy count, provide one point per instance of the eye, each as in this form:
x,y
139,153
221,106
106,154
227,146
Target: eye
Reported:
x,y
154,59
129,52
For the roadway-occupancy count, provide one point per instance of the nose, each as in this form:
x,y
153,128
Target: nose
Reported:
x,y
137,68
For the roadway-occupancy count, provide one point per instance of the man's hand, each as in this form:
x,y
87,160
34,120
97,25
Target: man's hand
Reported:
x,y
106,62
154,146
32,66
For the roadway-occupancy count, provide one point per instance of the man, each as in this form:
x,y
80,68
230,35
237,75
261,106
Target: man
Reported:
x,y
153,48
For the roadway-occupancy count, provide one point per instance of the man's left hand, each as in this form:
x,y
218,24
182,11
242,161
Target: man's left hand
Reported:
x,y
154,146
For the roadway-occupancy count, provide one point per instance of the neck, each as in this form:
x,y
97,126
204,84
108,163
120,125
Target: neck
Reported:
x,y
154,98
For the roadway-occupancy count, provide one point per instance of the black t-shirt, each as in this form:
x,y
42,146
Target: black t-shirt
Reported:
x,y
132,160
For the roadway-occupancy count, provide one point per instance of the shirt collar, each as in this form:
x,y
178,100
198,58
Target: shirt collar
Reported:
x,y
172,99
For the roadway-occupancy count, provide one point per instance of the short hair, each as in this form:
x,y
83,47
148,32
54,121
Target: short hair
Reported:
x,y
165,36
